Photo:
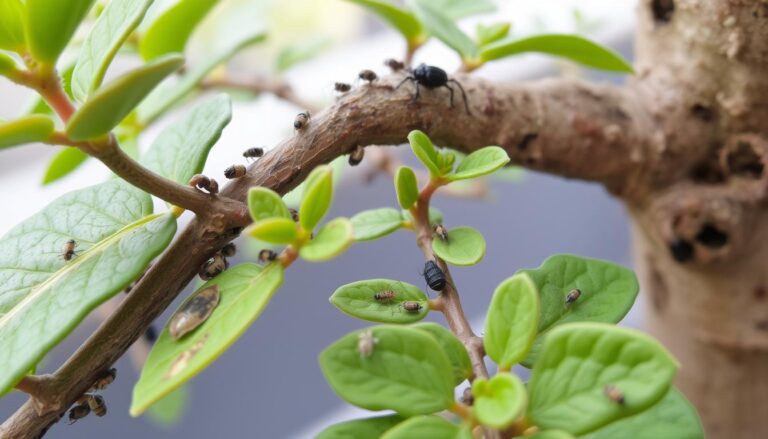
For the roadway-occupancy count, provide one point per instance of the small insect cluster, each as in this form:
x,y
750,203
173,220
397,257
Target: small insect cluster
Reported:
x,y
91,402
201,182
218,263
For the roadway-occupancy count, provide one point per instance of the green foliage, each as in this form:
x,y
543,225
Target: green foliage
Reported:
x,y
430,426
443,28
64,162
12,13
318,195
453,348
499,401
672,417
274,230
402,20
170,31
375,223
7,64
27,129
168,410
485,35
406,187
245,291
331,240
568,383
112,28
572,47
368,428
456,9
42,296
464,246
181,149
357,300
51,24
607,293
112,103
407,371
512,321
301,51
484,161
435,216
265,203
425,151
552,434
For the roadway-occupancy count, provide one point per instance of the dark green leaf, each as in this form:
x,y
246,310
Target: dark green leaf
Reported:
x,y
368,428
433,427
274,230
330,241
27,129
51,24
464,246
499,401
484,161
457,354
63,163
12,18
443,28
317,197
170,32
375,223
513,318
357,299
406,187
265,203
404,21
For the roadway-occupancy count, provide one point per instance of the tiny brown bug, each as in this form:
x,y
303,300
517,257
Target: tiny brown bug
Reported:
x,y
107,378
412,306
384,296
235,171
194,312
97,405
78,412
229,250
356,156
213,188
614,394
441,232
213,267
394,64
365,343
467,397
266,256
253,153
302,119
367,75
572,296
342,87
294,214
68,251
202,182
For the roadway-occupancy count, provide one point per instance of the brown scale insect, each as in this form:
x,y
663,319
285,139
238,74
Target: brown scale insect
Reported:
x,y
467,397
365,343
229,250
294,214
253,153
214,187
235,171
412,306
614,394
68,251
302,120
213,267
572,296
356,156
97,405
342,87
394,64
266,256
385,296
103,381
202,182
367,75
441,232
78,412
194,312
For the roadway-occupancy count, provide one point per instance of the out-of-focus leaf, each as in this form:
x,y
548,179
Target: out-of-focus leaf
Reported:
x,y
431,426
170,31
402,20
169,409
302,51
456,9
331,240
51,24
274,230
443,28
63,163
27,129
7,64
488,34
367,428
265,203
12,20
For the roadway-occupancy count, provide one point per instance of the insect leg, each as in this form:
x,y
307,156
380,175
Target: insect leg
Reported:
x,y
463,94
451,90
407,78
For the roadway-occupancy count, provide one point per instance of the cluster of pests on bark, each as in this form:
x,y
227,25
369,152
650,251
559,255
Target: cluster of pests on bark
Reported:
x,y
91,402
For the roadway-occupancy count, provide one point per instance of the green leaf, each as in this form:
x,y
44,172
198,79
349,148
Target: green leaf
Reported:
x,y
375,223
512,321
443,28
368,428
265,203
433,427
499,401
317,197
607,293
170,32
453,348
42,296
27,129
112,103
274,230
407,371
488,34
552,434
464,246
169,409
181,149
406,187
12,18
112,28
572,47
331,241
402,20
672,417
301,51
357,300
484,161
63,163
456,9
7,64
568,384
425,151
245,290
51,24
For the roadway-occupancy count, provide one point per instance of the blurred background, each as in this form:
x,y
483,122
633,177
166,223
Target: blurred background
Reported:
x,y
269,384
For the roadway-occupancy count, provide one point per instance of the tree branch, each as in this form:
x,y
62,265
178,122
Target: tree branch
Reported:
x,y
569,128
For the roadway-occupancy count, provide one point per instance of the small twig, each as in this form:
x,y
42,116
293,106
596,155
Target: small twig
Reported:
x,y
276,87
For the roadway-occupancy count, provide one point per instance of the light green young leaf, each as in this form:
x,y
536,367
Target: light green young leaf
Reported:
x,y
499,401
512,321
12,19
488,34
274,230
375,223
367,428
63,163
245,291
484,161
332,240
7,64
317,197
169,409
170,32
406,371
672,417
573,47
27,129
265,203
433,427
112,103
453,348
425,151
456,9
568,384
51,24
443,28
357,300
464,246
112,28
402,20
181,149
42,296
607,293
301,51
406,187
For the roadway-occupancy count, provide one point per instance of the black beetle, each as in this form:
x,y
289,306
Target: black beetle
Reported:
x,y
433,77
434,276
